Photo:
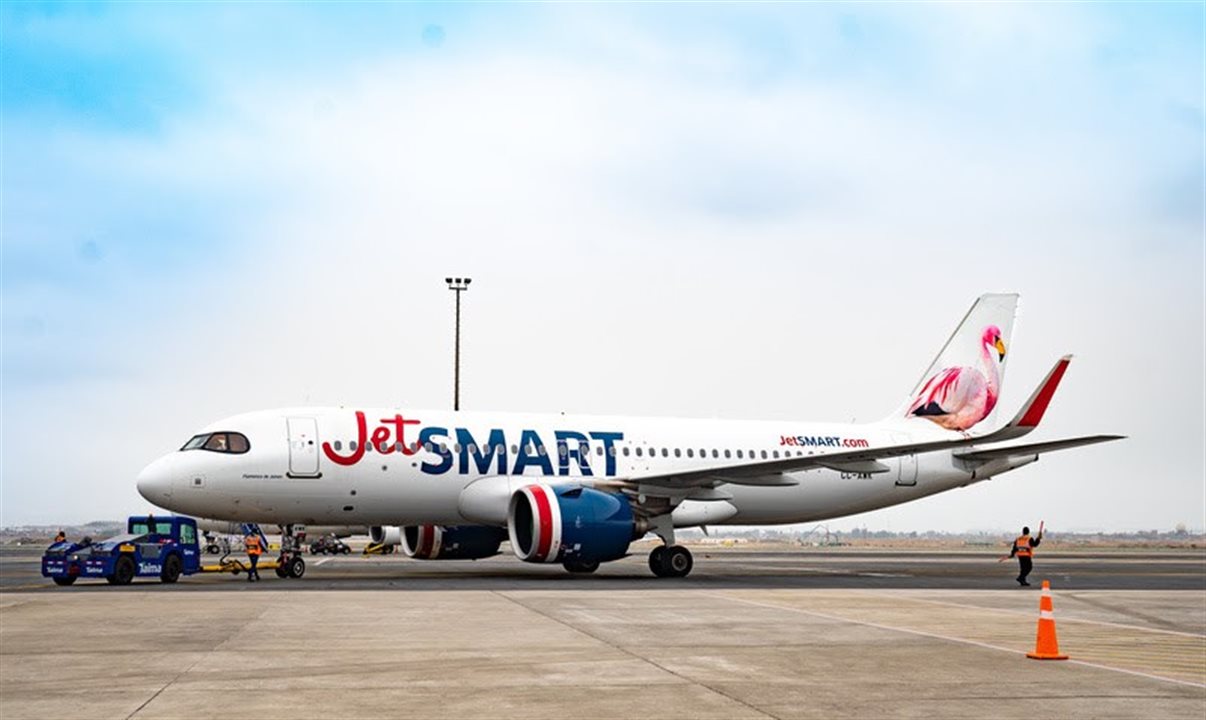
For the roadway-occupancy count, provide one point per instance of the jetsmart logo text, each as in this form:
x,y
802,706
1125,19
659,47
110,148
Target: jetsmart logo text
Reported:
x,y
823,441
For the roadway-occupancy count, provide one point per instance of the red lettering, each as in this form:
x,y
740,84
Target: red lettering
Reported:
x,y
381,440
400,424
357,453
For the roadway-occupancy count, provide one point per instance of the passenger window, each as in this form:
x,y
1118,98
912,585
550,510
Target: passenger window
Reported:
x,y
338,444
638,452
471,447
426,446
612,451
665,452
727,454
562,450
715,453
776,454
599,450
368,447
414,447
625,451
542,451
739,455
763,454
690,452
352,445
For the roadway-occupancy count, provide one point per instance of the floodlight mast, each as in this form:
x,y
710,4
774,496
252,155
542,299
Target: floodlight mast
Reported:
x,y
457,285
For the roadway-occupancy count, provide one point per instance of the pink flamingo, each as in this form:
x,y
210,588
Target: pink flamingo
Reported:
x,y
959,397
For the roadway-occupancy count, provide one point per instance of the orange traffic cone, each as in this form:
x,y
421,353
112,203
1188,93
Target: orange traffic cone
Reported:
x,y
1046,645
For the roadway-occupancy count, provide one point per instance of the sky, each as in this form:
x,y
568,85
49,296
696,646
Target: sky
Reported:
x,y
746,211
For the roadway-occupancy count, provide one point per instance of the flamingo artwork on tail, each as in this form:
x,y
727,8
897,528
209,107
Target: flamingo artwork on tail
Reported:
x,y
957,398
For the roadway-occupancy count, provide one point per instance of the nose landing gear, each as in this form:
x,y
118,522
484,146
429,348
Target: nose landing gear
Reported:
x,y
291,564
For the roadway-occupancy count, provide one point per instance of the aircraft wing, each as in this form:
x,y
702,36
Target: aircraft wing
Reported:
x,y
771,472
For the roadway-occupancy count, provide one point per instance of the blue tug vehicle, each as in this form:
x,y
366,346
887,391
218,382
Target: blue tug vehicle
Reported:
x,y
163,547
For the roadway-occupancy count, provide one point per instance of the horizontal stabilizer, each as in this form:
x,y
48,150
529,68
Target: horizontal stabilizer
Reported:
x,y
1035,448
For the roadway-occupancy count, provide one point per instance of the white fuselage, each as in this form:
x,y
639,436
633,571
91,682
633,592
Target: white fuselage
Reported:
x,y
327,465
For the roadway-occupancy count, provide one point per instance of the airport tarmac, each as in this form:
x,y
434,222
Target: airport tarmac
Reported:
x,y
795,634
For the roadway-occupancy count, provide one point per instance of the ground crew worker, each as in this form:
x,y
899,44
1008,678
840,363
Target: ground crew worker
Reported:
x,y
61,537
254,548
1023,548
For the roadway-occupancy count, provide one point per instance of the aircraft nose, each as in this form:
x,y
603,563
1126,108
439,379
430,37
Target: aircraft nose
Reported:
x,y
155,481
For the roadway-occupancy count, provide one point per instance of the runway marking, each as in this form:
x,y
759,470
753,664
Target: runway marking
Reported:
x,y
1062,618
936,636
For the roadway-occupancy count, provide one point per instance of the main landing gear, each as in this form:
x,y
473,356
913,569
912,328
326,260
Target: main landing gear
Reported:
x,y
671,561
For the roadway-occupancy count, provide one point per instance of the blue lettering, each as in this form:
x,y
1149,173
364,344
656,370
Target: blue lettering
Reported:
x,y
427,435
578,451
609,438
483,456
532,452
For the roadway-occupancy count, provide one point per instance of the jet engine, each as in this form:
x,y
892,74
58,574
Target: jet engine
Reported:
x,y
385,535
455,542
577,526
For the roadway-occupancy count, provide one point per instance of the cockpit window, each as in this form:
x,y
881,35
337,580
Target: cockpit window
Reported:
x,y
196,442
223,442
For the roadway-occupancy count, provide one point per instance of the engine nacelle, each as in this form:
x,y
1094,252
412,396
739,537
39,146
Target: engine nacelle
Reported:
x,y
385,535
455,542
569,523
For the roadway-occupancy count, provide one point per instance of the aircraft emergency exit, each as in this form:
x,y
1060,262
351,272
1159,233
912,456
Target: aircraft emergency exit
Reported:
x,y
578,490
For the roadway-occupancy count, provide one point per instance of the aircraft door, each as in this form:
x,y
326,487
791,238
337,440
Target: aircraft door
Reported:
x,y
303,447
908,471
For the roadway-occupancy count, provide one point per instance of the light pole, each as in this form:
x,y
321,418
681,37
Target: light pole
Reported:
x,y
457,285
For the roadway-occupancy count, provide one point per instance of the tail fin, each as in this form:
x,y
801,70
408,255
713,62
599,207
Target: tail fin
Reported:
x,y
961,387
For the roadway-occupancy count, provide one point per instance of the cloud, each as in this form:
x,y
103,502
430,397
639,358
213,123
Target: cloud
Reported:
x,y
730,213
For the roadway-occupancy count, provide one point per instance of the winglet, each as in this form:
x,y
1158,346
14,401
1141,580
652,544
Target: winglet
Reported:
x,y
1032,412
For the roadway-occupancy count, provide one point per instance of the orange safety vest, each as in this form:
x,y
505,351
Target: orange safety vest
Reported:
x,y
1023,546
252,543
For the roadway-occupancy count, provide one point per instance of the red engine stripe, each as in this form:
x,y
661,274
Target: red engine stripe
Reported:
x,y
544,514
426,540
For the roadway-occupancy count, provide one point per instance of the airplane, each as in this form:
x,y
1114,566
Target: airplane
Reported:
x,y
578,490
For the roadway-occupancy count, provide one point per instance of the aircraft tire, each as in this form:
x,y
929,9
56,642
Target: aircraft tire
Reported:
x,y
657,561
678,561
281,572
296,567
581,567
65,580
